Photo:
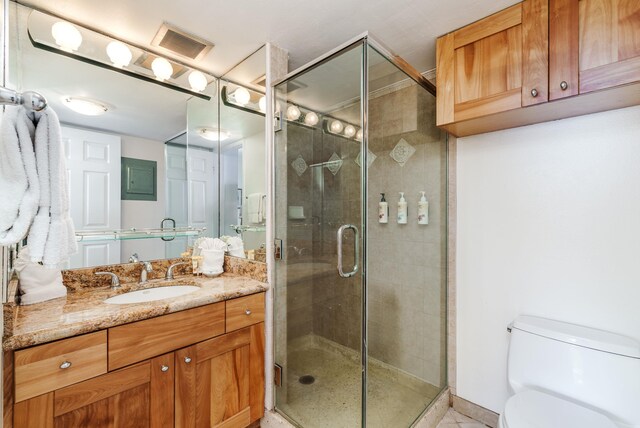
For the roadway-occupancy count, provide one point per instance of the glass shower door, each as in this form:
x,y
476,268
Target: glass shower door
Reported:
x,y
319,218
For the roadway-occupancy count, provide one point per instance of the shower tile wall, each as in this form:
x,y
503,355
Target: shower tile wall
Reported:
x,y
407,263
315,304
407,274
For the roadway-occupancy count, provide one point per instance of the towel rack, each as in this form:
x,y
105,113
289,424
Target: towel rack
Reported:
x,y
29,99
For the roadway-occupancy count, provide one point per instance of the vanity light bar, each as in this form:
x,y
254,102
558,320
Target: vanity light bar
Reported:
x,y
58,35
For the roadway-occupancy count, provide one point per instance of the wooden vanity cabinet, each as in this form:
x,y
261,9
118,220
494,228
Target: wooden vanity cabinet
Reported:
x,y
138,396
220,382
216,381
536,61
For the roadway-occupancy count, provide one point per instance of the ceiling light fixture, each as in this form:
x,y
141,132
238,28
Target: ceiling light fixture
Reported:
x,y
349,131
66,35
212,134
198,81
85,106
336,126
311,119
241,96
293,112
262,104
119,54
162,69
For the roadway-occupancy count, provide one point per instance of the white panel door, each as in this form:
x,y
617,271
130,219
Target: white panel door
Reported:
x,y
203,198
177,200
93,166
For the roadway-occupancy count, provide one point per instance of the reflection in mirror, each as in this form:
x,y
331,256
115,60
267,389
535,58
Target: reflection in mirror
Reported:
x,y
131,163
243,155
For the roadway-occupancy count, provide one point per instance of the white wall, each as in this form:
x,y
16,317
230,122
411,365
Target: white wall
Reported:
x,y
144,214
548,225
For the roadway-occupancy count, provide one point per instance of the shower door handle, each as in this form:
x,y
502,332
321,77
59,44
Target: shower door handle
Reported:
x,y
356,252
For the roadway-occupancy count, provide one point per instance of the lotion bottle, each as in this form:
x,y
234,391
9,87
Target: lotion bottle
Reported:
x,y
383,210
423,210
402,209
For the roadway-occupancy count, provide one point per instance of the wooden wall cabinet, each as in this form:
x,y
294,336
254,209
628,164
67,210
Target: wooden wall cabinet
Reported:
x,y
514,67
217,382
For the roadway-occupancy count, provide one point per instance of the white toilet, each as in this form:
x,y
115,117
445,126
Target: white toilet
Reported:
x,y
568,376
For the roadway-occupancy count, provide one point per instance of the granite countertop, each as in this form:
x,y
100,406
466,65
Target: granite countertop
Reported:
x,y
84,310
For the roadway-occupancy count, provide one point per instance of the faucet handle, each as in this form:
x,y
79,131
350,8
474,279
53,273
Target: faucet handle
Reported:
x,y
147,266
115,281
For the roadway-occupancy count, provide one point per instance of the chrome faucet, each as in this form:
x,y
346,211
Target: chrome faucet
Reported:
x,y
146,268
115,281
169,274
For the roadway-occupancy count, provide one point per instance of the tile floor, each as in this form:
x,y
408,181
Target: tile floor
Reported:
x,y
394,398
454,419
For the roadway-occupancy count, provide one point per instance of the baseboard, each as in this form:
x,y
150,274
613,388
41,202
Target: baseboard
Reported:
x,y
436,411
474,411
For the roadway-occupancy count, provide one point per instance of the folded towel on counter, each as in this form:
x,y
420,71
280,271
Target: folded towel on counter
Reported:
x,y
37,283
256,208
236,246
51,238
206,243
19,185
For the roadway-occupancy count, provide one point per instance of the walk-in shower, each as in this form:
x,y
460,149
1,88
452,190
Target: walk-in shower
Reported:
x,y
360,314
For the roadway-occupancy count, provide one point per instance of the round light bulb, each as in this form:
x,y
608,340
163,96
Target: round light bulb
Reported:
x,y
161,68
242,96
311,119
119,54
293,113
262,104
359,134
66,35
197,80
349,131
336,126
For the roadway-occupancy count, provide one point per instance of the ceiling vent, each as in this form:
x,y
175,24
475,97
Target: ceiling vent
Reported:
x,y
178,41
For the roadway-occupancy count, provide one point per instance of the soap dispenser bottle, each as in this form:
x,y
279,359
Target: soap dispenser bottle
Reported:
x,y
423,210
402,209
383,210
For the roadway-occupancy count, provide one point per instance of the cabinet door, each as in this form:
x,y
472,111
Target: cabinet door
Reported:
x,y
497,64
609,32
139,396
220,382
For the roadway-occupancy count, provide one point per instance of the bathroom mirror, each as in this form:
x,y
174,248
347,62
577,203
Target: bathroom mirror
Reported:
x,y
243,154
134,158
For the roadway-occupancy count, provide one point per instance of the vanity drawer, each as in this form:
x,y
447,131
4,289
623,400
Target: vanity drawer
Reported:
x,y
141,340
54,365
245,311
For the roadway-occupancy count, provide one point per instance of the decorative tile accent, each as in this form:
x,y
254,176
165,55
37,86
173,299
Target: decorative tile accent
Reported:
x,y
370,158
402,152
334,163
299,165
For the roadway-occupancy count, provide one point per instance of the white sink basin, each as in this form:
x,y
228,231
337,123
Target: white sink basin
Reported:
x,y
152,294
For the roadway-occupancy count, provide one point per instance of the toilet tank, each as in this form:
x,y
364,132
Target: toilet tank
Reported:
x,y
594,368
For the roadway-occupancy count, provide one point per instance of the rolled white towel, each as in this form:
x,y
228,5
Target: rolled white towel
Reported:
x,y
236,247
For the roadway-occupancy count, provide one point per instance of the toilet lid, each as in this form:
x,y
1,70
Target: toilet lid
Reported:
x,y
534,409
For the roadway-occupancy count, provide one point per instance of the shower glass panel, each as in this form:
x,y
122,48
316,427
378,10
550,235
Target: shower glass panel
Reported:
x,y
319,190
364,348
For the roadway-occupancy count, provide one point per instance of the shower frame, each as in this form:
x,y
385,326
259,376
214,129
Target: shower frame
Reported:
x,y
366,39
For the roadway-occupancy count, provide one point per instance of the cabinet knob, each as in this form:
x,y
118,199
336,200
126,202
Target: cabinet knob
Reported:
x,y
534,92
247,311
65,365
564,85
164,368
187,360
